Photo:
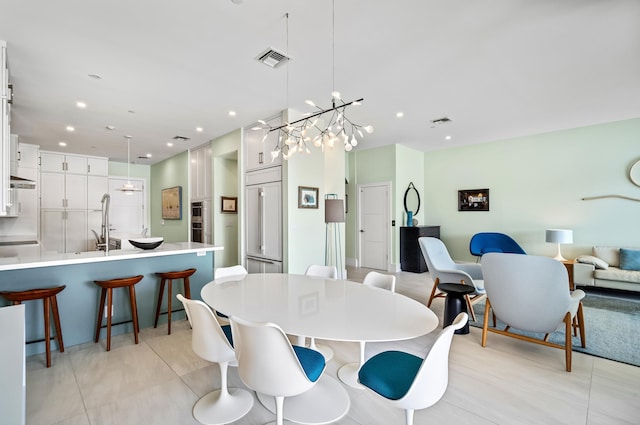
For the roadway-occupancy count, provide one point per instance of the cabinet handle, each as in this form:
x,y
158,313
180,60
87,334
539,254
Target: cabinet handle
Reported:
x,y
88,168
260,157
19,156
260,220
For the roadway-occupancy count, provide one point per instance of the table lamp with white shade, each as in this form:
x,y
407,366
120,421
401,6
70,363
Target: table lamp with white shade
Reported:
x,y
559,236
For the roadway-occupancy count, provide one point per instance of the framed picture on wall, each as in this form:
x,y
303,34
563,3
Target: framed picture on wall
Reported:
x,y
172,203
307,197
473,200
228,205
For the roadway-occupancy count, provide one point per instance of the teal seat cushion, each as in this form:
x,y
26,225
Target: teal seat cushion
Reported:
x,y
629,259
312,362
390,374
227,332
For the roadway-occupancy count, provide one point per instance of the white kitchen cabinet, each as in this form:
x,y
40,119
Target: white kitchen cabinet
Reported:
x,y
97,166
27,156
97,186
59,163
62,190
200,184
264,220
258,149
64,231
71,188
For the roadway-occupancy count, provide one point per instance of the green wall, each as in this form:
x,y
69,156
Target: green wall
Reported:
x,y
171,172
225,152
538,182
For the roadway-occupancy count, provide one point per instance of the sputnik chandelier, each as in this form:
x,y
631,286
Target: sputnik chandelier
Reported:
x,y
296,136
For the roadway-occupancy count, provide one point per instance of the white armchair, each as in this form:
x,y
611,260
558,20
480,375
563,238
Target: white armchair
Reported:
x,y
444,270
531,293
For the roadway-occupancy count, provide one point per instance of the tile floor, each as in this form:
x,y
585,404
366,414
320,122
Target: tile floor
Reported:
x,y
508,382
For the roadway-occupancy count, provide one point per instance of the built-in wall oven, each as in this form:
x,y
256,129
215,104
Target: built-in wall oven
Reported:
x,y
197,230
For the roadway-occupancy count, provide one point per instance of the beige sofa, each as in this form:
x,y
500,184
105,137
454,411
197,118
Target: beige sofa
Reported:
x,y
602,270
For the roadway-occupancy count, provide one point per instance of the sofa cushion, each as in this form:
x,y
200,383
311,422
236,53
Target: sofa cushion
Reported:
x,y
629,259
590,259
609,254
614,273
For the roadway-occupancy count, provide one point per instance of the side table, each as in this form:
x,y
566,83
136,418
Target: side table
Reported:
x,y
455,303
569,266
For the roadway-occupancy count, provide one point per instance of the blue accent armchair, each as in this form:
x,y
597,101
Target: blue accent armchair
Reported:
x,y
484,242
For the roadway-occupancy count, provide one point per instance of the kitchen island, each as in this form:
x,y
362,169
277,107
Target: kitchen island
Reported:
x,y
30,267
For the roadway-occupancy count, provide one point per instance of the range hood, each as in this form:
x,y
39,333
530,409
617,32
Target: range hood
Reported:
x,y
21,183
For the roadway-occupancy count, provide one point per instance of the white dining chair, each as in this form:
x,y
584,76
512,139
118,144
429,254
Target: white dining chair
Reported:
x,y
410,382
222,272
348,373
326,272
213,343
270,365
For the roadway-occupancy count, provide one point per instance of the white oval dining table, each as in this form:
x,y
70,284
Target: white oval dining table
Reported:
x,y
336,310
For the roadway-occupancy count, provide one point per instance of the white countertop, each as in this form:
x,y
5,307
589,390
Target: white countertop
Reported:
x,y
28,257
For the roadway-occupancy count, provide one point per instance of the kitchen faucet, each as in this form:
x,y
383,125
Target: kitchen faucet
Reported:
x,y
103,241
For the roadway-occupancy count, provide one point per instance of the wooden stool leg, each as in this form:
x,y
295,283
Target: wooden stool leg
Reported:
x,y
160,295
109,307
187,288
169,313
134,311
56,323
47,330
100,310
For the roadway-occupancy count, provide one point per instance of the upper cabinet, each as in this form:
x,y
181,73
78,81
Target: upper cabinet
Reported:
x,y
200,185
258,148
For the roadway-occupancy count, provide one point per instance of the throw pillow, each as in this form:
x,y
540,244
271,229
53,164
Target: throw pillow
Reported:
x,y
590,259
629,259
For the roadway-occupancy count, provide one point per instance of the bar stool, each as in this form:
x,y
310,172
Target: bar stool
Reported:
x,y
48,297
107,290
169,277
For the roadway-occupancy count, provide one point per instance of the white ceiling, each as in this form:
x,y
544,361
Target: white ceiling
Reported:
x,y
497,68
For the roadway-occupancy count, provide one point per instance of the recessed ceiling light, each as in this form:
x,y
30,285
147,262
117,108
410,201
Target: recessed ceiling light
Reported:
x,y
131,111
63,144
199,129
169,144
448,137
399,114
232,113
95,76
81,105
110,127
70,128
148,155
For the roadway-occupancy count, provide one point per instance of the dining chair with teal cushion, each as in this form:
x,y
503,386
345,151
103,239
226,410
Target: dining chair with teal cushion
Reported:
x,y
270,365
326,272
410,382
214,343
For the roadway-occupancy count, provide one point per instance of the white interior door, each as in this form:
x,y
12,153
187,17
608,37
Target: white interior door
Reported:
x,y
126,212
374,225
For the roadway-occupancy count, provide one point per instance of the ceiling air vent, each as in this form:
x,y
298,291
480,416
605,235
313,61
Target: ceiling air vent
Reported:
x,y
272,58
180,138
440,121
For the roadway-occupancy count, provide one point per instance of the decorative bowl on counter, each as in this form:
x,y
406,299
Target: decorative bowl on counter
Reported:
x,y
146,243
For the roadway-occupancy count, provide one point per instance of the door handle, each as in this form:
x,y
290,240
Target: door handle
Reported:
x,y
361,231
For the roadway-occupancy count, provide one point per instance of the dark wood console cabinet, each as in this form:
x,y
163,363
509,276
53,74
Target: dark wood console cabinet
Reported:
x,y
411,259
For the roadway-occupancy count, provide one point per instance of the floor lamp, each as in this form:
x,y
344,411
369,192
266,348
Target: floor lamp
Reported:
x,y
333,216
